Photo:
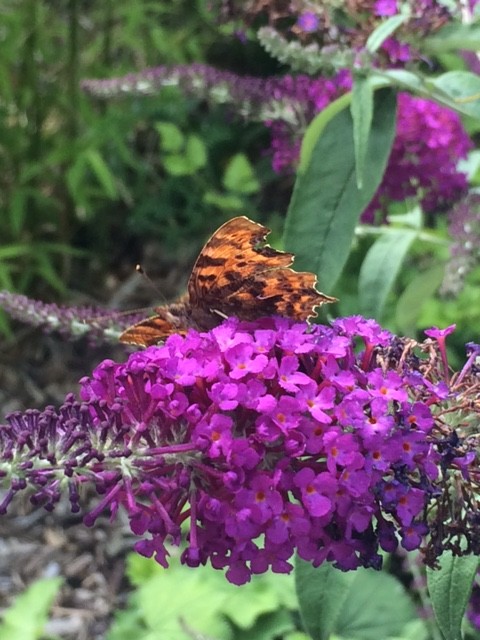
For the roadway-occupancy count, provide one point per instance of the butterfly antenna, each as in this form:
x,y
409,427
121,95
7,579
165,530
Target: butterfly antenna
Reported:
x,y
140,270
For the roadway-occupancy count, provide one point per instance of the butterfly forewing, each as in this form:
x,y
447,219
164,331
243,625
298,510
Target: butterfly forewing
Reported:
x,y
234,253
236,274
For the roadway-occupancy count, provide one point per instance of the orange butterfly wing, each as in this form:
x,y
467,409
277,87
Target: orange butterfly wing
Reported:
x,y
168,319
236,274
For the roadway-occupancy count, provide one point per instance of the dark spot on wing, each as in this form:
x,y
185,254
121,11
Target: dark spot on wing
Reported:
x,y
209,261
203,278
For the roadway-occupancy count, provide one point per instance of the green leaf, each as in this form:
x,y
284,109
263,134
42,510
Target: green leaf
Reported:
x,y
75,178
213,604
361,109
326,202
316,127
459,90
413,218
380,269
46,269
6,281
5,329
177,165
271,626
26,618
196,152
263,595
322,595
18,209
239,175
452,37
402,78
14,251
176,610
385,30
416,294
362,604
126,625
450,588
172,139
228,202
102,172
471,167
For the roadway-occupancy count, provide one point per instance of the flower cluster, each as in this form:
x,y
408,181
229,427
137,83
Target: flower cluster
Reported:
x,y
293,100
430,139
327,31
266,438
429,142
98,324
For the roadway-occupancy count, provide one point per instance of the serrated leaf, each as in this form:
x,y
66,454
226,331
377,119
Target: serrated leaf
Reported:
x,y
239,175
211,600
411,301
263,595
450,588
177,609
361,109
326,202
172,139
26,618
385,30
380,268
361,604
270,626
126,625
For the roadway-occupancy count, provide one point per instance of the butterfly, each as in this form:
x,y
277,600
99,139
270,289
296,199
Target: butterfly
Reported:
x,y
236,274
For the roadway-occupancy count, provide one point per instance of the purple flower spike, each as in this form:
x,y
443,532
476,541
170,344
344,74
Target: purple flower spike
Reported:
x,y
253,441
97,324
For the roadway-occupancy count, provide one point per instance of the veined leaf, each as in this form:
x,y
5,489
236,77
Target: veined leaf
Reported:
x,y
450,588
326,202
361,604
380,269
361,109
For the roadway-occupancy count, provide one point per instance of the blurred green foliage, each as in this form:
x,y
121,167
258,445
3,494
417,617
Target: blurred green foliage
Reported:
x,y
180,603
26,618
85,180
85,184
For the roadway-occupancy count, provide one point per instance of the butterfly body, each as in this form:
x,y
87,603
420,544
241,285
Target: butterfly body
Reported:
x,y
236,274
